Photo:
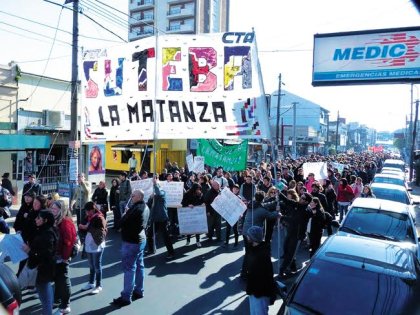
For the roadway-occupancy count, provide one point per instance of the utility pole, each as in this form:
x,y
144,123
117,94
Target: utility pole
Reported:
x,y
413,143
278,116
336,133
327,142
294,130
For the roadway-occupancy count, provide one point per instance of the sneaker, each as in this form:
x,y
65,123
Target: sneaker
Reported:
x,y
121,302
60,311
96,290
198,244
137,296
88,286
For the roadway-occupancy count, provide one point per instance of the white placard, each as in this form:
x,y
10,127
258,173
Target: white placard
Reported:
x,y
229,206
338,166
190,162
174,193
198,164
145,184
192,220
11,245
319,169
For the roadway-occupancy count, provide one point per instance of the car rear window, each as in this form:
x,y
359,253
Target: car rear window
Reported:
x,y
374,221
394,165
333,288
391,194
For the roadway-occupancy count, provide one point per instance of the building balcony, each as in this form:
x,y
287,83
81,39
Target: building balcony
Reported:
x,y
175,1
180,29
141,5
139,34
138,20
176,13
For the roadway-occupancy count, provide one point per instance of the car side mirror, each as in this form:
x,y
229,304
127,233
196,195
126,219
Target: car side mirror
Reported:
x,y
281,289
417,202
335,223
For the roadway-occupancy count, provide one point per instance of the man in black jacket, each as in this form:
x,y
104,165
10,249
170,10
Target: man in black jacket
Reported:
x,y
100,197
133,224
214,220
6,183
31,185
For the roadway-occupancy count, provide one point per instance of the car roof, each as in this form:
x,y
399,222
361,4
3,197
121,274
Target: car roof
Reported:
x,y
390,175
392,161
372,254
388,186
382,204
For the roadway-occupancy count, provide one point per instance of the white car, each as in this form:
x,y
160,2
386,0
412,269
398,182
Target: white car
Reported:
x,y
391,179
382,219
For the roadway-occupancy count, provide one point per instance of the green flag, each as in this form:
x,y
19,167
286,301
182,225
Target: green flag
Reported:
x,y
230,157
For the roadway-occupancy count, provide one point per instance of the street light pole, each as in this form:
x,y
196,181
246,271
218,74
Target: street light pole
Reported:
x,y
294,130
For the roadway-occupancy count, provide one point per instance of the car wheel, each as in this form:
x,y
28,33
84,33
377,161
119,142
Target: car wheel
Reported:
x,y
11,281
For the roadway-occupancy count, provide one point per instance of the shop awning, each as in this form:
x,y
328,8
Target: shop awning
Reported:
x,y
24,142
132,147
121,147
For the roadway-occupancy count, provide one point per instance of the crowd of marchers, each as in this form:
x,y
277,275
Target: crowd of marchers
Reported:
x,y
277,194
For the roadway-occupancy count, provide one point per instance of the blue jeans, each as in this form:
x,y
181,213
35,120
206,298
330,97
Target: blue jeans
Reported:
x,y
258,306
343,210
95,267
133,267
46,296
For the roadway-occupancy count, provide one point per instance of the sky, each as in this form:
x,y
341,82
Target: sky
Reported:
x,y
284,31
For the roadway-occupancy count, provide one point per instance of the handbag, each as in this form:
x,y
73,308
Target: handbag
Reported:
x,y
27,277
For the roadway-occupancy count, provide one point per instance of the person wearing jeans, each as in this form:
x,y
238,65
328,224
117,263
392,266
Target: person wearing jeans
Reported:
x,y
94,245
66,239
133,224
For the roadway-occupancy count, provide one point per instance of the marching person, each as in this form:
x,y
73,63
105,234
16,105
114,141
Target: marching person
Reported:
x,y
100,198
80,197
133,224
31,185
235,190
193,197
214,219
94,245
114,202
124,192
158,220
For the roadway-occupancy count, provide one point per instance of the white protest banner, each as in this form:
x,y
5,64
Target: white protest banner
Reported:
x,y
198,164
194,86
319,169
338,166
174,193
229,206
11,246
190,162
145,184
192,220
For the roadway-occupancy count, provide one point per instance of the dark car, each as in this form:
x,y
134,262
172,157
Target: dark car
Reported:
x,y
356,275
10,294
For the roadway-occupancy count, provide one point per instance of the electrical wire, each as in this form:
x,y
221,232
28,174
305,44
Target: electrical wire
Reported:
x,y
39,60
105,12
103,16
28,37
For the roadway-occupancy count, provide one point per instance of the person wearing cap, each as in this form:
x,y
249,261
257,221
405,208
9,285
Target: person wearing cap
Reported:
x,y
124,191
31,185
41,253
260,285
256,214
81,195
6,183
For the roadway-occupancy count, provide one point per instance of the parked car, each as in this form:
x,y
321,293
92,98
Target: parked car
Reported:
x,y
392,170
353,274
10,293
391,192
391,179
395,164
381,219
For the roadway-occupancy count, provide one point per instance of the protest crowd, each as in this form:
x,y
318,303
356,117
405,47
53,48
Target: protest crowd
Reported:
x,y
297,198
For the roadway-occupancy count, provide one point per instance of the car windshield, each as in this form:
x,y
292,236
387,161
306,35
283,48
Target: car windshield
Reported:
x,y
389,180
395,165
391,194
375,222
356,291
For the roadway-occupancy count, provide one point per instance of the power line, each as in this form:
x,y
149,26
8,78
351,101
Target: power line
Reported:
x,y
104,16
39,60
104,12
52,27
28,37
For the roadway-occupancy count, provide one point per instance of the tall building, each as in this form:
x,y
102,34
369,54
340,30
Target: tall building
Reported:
x,y
150,17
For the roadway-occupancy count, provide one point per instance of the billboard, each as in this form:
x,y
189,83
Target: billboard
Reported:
x,y
363,57
174,87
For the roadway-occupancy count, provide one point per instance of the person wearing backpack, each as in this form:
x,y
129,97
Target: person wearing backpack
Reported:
x,y
67,237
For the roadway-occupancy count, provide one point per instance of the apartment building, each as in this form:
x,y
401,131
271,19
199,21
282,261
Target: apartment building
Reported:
x,y
150,17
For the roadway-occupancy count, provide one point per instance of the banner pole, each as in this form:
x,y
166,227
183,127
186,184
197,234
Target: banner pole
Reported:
x,y
155,122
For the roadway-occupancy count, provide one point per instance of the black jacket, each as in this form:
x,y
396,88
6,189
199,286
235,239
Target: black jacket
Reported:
x,y
114,197
208,199
28,187
42,253
260,271
22,217
133,223
100,196
6,183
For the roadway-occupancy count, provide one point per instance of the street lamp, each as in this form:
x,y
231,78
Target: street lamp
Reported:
x,y
278,115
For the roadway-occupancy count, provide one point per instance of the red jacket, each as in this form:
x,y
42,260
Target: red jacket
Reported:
x,y
66,239
345,194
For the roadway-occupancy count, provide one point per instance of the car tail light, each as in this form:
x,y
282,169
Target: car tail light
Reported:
x,y
13,308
